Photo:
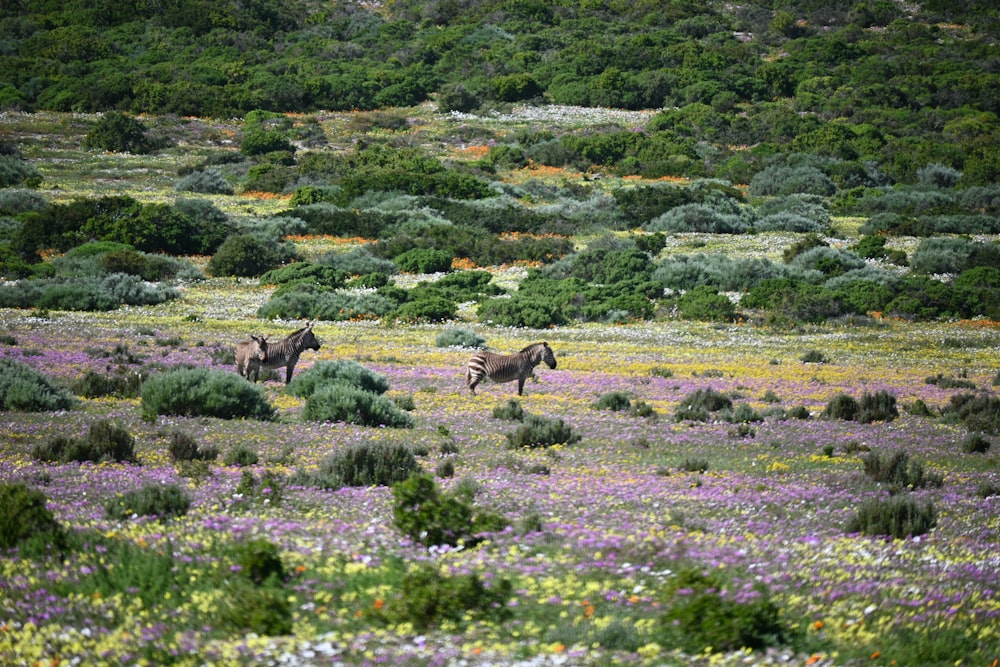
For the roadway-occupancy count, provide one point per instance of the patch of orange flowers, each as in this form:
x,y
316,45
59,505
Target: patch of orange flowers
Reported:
x,y
254,194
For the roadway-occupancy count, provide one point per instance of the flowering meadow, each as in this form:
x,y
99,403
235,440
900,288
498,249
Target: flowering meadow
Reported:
x,y
604,534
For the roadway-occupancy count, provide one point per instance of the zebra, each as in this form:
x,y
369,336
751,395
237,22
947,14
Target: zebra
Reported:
x,y
507,367
249,354
286,352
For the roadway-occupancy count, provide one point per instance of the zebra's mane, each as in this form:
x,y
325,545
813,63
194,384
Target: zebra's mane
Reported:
x,y
533,346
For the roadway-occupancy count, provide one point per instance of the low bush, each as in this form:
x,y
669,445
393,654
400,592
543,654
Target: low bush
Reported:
x,y
977,412
704,303
259,561
536,431
426,515
122,383
163,501
460,337
898,516
898,471
351,405
426,308
814,357
976,443
427,598
104,441
120,133
241,456
614,400
363,464
209,182
248,255
342,372
202,392
879,406
25,521
509,411
698,405
184,447
23,389
423,260
841,406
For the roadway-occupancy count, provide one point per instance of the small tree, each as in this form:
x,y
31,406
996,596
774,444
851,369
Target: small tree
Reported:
x,y
118,133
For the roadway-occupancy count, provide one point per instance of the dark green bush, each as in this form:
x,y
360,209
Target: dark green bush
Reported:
x,y
614,400
259,561
203,392
163,501
898,516
898,471
703,611
184,447
426,308
23,389
814,357
428,516
263,610
423,260
521,311
349,404
364,464
537,431
241,456
704,303
427,598
122,383
248,255
786,180
210,182
323,275
342,371
259,140
977,412
841,406
119,133
509,411
25,521
698,405
976,443
104,441
879,406
459,337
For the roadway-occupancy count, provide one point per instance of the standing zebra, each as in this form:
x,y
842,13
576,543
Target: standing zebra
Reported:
x,y
508,367
286,352
249,354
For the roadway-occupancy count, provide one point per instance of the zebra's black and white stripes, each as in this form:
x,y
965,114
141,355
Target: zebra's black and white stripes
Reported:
x,y
285,353
507,367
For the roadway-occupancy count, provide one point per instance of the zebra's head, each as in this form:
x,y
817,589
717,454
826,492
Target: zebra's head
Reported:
x,y
259,350
548,356
308,338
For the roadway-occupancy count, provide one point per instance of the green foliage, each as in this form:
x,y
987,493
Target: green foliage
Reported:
x,y
976,443
977,412
23,389
259,140
521,311
248,255
184,447
898,516
699,404
841,406
427,598
536,432
460,337
879,406
898,471
345,403
14,173
260,561
208,181
319,274
364,464
119,133
704,611
423,260
613,400
426,515
241,456
814,357
205,393
342,371
509,411
706,304
163,501
426,308
25,521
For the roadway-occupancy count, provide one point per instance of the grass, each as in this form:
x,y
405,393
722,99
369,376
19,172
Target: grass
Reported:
x,y
613,518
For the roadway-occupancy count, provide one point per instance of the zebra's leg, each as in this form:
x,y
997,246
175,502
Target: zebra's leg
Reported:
x,y
520,385
288,372
472,385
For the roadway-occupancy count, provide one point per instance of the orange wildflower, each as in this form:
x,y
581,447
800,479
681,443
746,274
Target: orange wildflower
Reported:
x,y
379,603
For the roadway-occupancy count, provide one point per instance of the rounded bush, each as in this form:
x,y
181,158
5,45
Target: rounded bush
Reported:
x,y
24,389
209,182
614,400
162,501
203,392
351,405
364,464
536,432
119,133
25,519
898,516
342,371
460,337
247,255
706,304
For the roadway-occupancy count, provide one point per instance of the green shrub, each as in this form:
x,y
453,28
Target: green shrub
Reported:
x,y
119,133
536,431
123,383
641,408
704,303
697,405
977,412
787,180
843,407
976,443
879,406
247,255
351,405
258,140
898,471
342,371
259,561
241,456
423,260
322,275
614,400
268,490
703,611
460,337
426,309
263,610
163,501
364,464
104,441
15,172
897,516
183,447
25,521
209,182
814,357
427,598
23,389
522,311
509,411
202,392
428,516
699,465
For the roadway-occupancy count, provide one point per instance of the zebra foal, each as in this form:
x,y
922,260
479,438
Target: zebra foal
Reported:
x,y
507,367
249,353
285,353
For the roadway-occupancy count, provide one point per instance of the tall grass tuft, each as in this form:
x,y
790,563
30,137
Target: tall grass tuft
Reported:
x,y
897,516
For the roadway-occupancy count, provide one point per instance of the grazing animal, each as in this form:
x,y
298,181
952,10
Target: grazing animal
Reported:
x,y
249,354
508,367
286,353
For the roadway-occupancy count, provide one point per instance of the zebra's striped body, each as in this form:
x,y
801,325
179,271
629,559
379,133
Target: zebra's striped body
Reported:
x,y
507,367
249,354
286,353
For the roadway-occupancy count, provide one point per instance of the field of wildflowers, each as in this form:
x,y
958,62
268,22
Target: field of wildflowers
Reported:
x,y
600,531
